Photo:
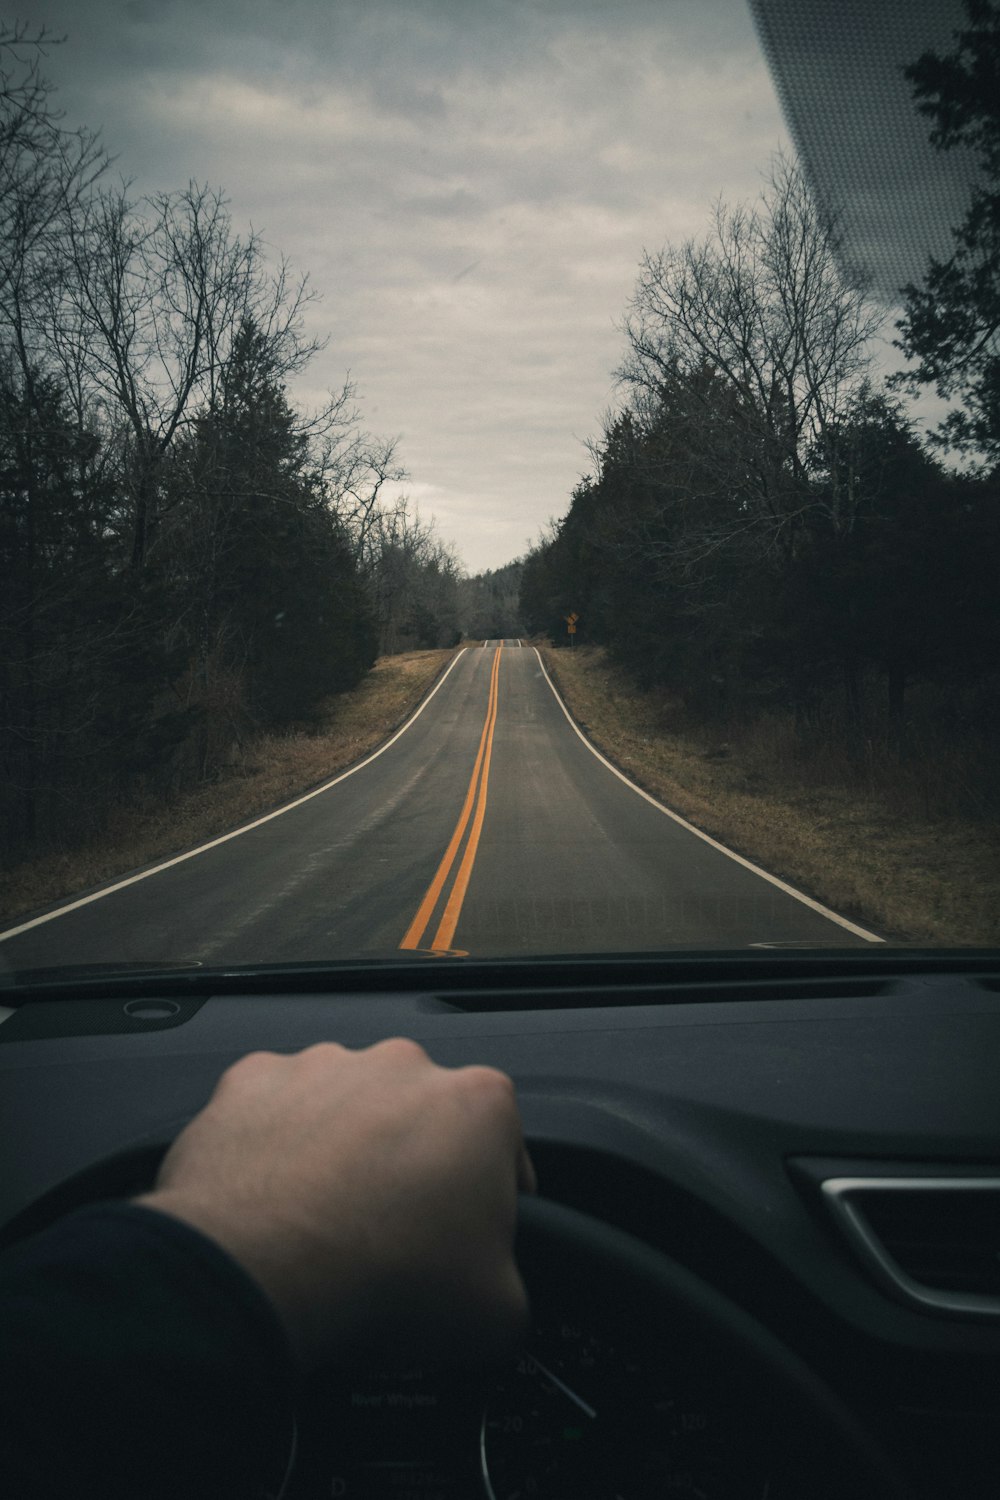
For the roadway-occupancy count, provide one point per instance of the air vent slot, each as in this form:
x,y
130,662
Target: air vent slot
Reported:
x,y
947,1239
934,1241
582,996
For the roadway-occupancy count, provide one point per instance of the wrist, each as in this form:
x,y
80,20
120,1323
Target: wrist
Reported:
x,y
270,1270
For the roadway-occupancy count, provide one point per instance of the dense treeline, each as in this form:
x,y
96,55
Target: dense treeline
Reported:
x,y
763,533
187,559
491,603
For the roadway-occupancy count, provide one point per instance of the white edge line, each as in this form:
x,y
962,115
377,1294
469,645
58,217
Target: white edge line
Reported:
x,y
824,911
234,833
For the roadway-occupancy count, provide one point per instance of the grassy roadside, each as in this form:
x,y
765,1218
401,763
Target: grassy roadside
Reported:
x,y
273,769
934,881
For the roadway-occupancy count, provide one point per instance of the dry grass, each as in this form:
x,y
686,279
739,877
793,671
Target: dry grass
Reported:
x,y
932,879
272,769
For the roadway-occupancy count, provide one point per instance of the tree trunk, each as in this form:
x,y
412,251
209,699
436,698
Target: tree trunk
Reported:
x,y
852,694
896,694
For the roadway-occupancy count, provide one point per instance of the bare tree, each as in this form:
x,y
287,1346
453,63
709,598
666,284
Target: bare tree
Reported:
x,y
756,326
354,467
159,291
413,579
45,172
145,348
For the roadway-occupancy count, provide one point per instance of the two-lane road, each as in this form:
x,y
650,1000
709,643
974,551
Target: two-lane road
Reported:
x,y
486,826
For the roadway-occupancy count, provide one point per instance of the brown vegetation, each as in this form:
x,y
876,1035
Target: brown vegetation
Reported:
x,y
271,769
850,837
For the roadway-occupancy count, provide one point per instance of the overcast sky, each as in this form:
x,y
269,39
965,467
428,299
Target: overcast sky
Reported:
x,y
468,183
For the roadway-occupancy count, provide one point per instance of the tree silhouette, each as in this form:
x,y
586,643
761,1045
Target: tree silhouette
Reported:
x,y
951,326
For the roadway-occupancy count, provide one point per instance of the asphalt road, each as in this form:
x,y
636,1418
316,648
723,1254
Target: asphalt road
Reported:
x,y
487,827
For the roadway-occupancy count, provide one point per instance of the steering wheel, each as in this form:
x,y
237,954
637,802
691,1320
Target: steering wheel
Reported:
x,y
638,1378
694,1394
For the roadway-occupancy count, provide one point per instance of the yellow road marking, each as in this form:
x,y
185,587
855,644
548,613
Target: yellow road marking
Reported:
x,y
416,929
449,921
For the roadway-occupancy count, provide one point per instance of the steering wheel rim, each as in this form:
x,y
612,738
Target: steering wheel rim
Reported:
x,y
551,1235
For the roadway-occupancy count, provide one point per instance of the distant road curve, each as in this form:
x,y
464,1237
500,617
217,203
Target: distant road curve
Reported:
x,y
487,825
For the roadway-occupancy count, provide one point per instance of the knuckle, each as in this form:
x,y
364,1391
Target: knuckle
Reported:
x,y
403,1047
251,1065
322,1052
489,1083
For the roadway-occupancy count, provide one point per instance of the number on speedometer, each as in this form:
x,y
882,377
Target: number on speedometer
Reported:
x,y
579,1416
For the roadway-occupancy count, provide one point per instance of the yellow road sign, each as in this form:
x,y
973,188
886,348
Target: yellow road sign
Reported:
x,y
571,619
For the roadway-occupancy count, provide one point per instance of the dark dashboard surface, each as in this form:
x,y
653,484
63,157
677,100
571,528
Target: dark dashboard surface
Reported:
x,y
700,1108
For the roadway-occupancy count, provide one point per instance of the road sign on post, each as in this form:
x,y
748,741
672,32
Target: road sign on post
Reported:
x,y
571,620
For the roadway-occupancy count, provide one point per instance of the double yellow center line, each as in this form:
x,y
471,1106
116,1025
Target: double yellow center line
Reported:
x,y
475,796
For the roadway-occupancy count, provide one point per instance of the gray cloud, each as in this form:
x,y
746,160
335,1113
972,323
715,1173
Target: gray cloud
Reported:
x,y
470,187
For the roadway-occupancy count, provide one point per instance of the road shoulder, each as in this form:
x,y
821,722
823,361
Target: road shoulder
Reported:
x,y
932,882
270,770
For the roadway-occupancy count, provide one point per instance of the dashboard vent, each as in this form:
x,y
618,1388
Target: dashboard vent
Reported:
x,y
934,1241
581,996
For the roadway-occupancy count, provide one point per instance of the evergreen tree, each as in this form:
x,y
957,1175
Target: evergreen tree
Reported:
x,y
273,599
83,660
951,326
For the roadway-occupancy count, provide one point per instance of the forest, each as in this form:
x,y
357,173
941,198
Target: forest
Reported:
x,y
763,534
190,560
187,559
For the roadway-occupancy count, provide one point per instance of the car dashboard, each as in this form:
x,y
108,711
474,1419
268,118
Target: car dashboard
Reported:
x,y
765,1259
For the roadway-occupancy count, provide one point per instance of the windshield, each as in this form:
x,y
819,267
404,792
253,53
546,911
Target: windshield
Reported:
x,y
503,479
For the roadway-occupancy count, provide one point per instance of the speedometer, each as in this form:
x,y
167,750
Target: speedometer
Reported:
x,y
583,1417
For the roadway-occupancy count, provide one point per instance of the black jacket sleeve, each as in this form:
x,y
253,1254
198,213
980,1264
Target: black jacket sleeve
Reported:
x,y
138,1361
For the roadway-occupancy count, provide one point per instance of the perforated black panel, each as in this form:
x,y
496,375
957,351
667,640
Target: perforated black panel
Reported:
x,y
837,67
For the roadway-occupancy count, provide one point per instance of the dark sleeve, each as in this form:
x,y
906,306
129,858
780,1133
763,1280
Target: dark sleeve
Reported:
x,y
137,1359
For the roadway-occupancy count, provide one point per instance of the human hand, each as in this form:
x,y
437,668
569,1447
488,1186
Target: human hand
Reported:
x,y
371,1194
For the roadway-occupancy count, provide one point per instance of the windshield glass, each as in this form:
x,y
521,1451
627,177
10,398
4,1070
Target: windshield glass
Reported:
x,y
497,479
